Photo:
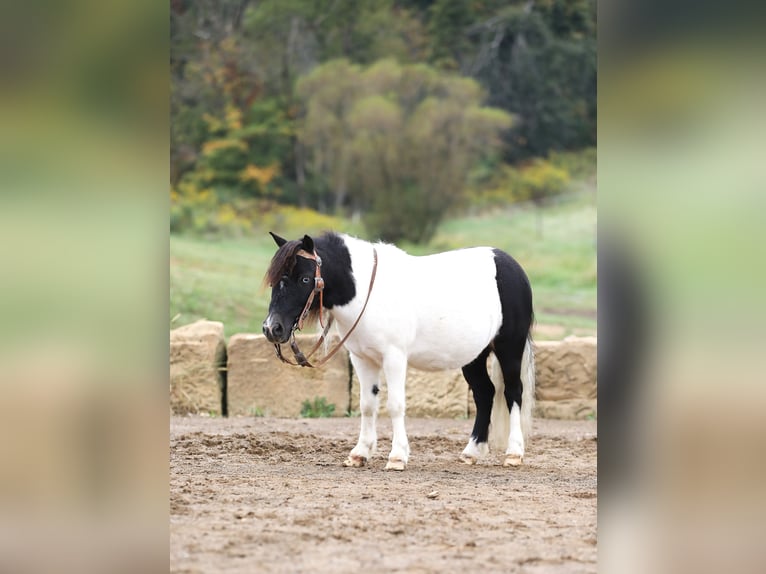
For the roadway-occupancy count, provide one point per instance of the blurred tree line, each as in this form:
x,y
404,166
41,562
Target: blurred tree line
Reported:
x,y
386,109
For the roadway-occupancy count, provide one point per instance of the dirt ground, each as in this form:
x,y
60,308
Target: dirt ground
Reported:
x,y
271,495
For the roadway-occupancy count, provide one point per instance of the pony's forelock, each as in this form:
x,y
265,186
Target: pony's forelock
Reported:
x,y
282,263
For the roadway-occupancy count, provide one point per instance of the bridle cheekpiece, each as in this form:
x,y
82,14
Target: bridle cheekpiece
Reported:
x,y
318,288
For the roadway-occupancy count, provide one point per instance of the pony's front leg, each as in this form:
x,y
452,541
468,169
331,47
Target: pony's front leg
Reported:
x,y
369,385
395,369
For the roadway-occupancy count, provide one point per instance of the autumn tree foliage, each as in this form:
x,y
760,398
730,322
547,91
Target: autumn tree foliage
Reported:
x,y
381,108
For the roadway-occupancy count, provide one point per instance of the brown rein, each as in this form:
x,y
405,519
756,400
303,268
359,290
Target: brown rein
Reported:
x,y
301,359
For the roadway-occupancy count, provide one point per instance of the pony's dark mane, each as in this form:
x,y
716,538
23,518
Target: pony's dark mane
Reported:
x,y
282,263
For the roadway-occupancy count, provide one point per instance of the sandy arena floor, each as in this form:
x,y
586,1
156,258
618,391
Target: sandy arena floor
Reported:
x,y
270,495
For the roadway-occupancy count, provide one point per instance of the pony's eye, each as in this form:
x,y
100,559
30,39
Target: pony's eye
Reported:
x,y
306,280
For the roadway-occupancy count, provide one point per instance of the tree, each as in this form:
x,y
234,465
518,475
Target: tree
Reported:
x,y
328,94
447,23
288,38
538,61
395,141
207,73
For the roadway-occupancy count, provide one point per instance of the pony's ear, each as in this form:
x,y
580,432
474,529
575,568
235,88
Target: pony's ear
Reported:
x,y
308,244
280,241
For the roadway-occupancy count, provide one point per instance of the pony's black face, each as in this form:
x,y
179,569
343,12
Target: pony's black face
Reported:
x,y
291,278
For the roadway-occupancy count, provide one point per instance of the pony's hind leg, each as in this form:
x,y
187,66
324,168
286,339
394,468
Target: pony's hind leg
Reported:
x,y
476,375
510,358
369,385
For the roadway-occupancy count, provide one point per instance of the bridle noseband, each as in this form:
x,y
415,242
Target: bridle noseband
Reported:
x,y
301,359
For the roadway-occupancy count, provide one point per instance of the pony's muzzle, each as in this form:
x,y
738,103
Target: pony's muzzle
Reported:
x,y
274,331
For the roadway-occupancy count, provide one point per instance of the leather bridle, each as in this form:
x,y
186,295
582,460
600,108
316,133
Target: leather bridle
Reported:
x,y
318,288
300,358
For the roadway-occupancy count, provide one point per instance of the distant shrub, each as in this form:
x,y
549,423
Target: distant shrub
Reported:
x,y
206,211
580,165
535,181
539,181
288,219
200,211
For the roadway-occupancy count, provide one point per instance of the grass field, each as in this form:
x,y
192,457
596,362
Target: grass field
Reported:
x,y
221,279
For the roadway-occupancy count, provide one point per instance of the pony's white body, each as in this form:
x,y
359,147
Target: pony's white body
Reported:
x,y
442,320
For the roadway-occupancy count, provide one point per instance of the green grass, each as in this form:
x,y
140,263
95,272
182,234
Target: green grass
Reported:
x,y
317,409
221,279
561,264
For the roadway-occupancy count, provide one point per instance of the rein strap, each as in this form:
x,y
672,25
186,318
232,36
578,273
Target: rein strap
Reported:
x,y
303,360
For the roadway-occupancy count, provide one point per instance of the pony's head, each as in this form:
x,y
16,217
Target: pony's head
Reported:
x,y
291,277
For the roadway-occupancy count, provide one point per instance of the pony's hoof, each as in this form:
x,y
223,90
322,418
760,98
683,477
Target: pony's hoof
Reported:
x,y
355,461
513,460
469,460
395,465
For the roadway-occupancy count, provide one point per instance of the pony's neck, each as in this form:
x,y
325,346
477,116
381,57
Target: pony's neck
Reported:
x,y
340,287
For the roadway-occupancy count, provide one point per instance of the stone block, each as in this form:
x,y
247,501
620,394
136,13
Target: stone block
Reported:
x,y
566,369
566,409
259,383
433,394
197,361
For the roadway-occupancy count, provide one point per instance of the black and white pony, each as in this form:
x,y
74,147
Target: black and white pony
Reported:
x,y
435,312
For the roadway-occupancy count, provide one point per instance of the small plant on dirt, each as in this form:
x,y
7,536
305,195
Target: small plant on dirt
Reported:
x,y
318,408
256,412
352,414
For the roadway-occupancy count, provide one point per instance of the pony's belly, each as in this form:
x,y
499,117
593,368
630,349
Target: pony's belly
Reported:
x,y
432,362
446,343
446,355
424,353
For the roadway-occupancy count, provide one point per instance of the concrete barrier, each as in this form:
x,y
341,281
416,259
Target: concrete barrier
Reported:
x,y
257,383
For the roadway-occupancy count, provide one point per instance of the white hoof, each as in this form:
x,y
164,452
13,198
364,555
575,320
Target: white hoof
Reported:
x,y
355,461
395,464
474,452
513,460
470,460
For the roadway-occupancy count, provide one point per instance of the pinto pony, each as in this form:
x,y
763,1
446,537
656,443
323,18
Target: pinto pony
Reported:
x,y
435,312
